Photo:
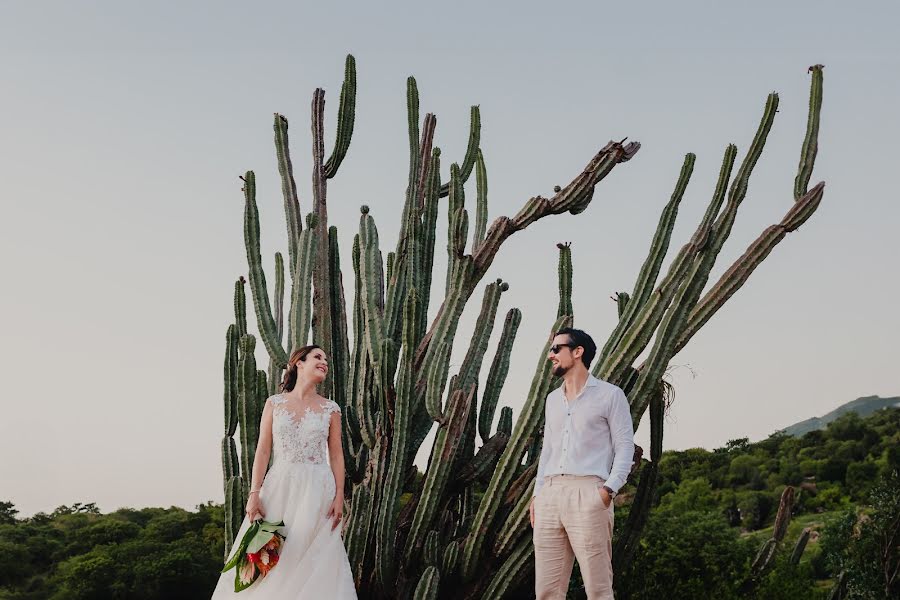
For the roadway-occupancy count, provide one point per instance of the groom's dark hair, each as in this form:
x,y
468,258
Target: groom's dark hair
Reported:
x,y
577,337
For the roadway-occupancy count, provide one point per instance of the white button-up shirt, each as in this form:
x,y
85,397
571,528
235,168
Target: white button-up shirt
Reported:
x,y
590,435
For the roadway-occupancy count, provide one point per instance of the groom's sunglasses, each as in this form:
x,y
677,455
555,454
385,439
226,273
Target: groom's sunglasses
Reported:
x,y
555,348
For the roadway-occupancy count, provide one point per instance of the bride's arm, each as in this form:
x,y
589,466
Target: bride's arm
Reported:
x,y
336,458
260,462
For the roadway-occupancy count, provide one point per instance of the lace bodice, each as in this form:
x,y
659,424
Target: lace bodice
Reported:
x,y
300,438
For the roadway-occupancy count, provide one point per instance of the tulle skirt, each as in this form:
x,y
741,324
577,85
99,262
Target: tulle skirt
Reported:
x,y
313,563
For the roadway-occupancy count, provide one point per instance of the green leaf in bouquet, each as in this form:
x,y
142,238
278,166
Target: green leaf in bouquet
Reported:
x,y
240,550
239,584
263,535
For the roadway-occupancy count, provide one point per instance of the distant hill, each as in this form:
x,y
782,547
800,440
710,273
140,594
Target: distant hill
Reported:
x,y
861,406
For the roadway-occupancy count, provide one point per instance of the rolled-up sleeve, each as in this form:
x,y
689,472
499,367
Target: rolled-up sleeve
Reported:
x,y
621,433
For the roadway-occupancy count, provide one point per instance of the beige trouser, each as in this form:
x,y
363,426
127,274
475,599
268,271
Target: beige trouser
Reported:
x,y
571,521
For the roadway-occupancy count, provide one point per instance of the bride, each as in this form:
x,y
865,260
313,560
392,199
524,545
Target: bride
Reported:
x,y
303,488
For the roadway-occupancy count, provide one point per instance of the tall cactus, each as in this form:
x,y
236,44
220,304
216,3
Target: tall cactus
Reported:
x,y
323,171
460,529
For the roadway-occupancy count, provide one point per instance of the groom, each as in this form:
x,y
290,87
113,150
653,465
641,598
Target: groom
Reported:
x,y
586,457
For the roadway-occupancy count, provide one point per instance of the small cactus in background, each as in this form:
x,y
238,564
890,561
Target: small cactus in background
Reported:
x,y
463,532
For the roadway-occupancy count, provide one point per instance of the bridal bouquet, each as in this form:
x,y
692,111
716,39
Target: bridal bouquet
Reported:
x,y
256,554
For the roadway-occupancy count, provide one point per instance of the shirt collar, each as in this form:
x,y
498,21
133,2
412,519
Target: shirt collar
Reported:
x,y
591,382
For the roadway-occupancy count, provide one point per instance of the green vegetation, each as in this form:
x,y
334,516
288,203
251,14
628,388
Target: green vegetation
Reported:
x,y
713,511
75,553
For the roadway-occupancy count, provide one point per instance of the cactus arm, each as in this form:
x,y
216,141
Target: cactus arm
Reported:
x,y
396,287
804,206
639,334
636,337
569,198
516,523
483,462
811,141
231,465
573,198
622,299
230,461
641,384
230,372
497,374
484,326
800,546
340,351
362,517
430,551
412,123
279,296
396,470
438,473
429,584
450,558
471,149
288,188
677,313
504,423
455,211
474,142
512,572
649,272
372,290
346,119
240,307
274,369
736,275
340,355
406,266
766,553
389,272
234,511
321,321
429,226
565,280
247,408
481,211
437,360
265,321
361,366
301,300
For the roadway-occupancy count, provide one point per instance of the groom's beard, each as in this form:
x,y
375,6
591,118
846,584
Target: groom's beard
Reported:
x,y
559,370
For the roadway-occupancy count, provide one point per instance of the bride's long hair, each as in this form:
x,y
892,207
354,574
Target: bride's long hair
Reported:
x,y
290,374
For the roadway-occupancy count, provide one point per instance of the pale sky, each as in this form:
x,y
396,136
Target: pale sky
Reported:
x,y
124,127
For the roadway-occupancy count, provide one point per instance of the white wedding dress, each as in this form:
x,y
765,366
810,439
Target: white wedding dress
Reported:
x,y
299,489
